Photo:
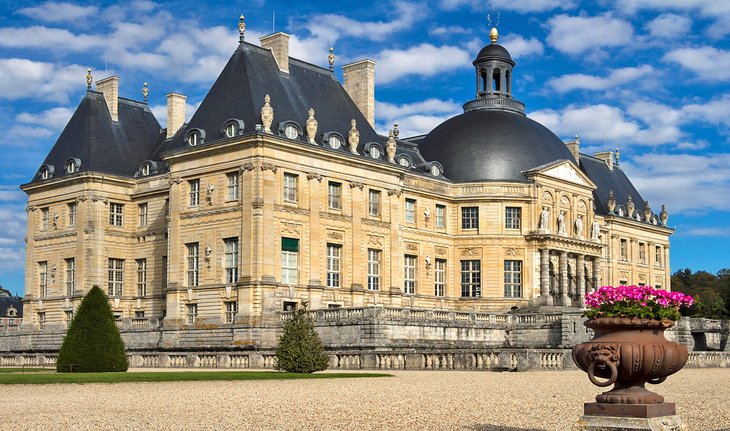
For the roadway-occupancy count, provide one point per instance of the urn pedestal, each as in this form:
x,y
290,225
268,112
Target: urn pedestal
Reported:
x,y
629,353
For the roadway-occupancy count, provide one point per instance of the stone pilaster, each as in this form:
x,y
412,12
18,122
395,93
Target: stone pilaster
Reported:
x,y
545,298
564,281
580,274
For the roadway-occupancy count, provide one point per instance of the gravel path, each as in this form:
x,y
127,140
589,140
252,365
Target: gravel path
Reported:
x,y
412,400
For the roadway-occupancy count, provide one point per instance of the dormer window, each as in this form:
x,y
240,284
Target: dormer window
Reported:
x,y
403,161
231,130
71,168
46,172
333,139
373,149
72,165
232,127
435,170
145,170
375,152
290,129
195,137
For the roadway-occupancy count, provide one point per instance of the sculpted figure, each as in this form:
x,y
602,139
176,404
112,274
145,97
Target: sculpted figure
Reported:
x,y
561,223
595,230
311,127
390,147
267,114
353,137
579,226
544,219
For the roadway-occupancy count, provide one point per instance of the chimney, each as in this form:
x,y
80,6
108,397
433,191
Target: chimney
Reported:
x,y
110,88
574,147
360,85
607,157
175,112
278,44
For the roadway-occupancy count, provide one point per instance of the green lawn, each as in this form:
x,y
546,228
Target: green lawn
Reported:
x,y
49,378
23,370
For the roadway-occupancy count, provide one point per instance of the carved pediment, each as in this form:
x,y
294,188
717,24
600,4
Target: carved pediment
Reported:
x,y
566,172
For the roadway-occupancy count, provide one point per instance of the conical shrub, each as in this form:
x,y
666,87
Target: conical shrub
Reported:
x,y
92,343
300,349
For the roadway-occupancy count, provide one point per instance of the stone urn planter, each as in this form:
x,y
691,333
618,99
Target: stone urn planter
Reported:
x,y
629,352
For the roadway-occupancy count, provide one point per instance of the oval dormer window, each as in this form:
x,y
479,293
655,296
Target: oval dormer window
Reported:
x,y
403,161
335,141
435,170
145,170
291,131
230,130
194,139
375,152
44,173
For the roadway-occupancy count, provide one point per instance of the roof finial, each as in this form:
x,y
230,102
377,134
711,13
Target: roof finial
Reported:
x,y
89,79
617,155
493,35
331,58
145,92
241,29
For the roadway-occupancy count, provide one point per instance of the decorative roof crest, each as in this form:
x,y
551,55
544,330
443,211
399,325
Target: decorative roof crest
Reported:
x,y
267,114
241,29
311,127
89,79
353,137
331,58
145,92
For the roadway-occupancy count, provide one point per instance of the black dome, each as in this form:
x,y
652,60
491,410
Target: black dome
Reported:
x,y
487,144
494,51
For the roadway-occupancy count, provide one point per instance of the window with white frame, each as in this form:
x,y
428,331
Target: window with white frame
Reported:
x,y
513,217
192,313
409,275
194,187
115,277
440,277
623,249
70,276
410,212
374,203
68,317
141,277
289,260
334,256
231,310
193,263
290,187
72,208
142,210
232,178
642,252
440,216
512,278
231,260
116,214
44,218
373,269
658,255
470,218
43,279
230,130
334,195
471,279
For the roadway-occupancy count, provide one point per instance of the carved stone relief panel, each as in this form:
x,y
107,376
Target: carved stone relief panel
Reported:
x,y
335,235
471,251
375,240
513,252
441,251
291,228
411,246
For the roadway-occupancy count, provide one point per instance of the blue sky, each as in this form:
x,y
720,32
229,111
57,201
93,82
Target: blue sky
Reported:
x,y
649,76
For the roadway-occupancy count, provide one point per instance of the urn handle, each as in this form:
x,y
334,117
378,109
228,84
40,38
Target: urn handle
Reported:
x,y
606,356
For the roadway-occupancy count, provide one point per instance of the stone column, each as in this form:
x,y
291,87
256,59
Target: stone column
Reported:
x,y
545,298
596,272
580,274
564,278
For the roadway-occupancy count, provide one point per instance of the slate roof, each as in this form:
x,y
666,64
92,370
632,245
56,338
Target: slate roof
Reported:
x,y
607,180
7,301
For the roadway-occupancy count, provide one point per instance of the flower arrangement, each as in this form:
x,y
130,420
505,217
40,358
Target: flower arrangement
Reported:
x,y
643,302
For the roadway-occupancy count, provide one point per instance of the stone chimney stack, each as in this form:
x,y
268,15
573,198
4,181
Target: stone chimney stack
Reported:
x,y
574,147
607,157
278,44
110,88
360,85
175,112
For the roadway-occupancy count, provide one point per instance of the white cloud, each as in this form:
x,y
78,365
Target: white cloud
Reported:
x,y
19,131
415,118
577,34
616,78
668,25
716,111
594,122
58,12
41,37
519,47
686,145
448,30
26,79
54,118
421,60
12,229
708,231
160,112
717,9
520,6
708,62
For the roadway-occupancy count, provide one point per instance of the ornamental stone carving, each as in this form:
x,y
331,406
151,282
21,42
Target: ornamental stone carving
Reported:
x,y
664,216
647,211
441,250
471,251
290,228
375,240
544,224
595,230
396,192
565,201
314,176
547,197
630,207
357,184
579,226
311,127
336,235
561,223
514,252
248,166
391,147
611,202
268,167
267,114
353,137
411,246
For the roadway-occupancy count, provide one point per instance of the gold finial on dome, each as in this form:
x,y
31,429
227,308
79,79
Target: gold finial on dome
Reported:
x,y
493,35
618,155
89,79
331,58
145,92
241,29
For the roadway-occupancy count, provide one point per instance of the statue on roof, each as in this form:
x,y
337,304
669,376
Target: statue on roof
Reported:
x,y
267,114
353,137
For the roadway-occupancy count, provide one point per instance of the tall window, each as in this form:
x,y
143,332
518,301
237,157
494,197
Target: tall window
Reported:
x,y
440,277
409,276
471,278
642,252
410,210
231,310
116,213
193,263
290,187
334,258
623,249
44,218
289,260
374,203
72,214
440,215
658,255
116,277
192,313
68,317
142,209
513,217
334,195
232,186
164,272
43,279
70,276
194,186
512,278
373,269
231,259
470,218
141,277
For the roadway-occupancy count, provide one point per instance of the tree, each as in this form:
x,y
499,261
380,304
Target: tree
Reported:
x,y
711,292
300,349
92,343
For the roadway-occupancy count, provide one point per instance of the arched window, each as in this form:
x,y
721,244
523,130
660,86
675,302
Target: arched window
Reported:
x,y
194,139
485,83
496,81
230,130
